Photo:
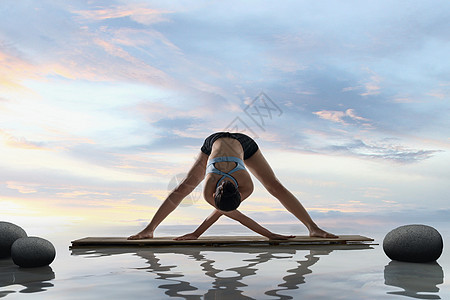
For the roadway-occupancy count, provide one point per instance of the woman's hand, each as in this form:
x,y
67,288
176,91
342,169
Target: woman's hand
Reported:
x,y
188,236
274,236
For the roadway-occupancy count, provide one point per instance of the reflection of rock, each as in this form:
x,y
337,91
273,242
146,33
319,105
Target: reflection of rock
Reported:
x,y
9,233
413,243
34,280
414,278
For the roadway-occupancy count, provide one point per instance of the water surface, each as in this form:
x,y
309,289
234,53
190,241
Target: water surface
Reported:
x,y
230,272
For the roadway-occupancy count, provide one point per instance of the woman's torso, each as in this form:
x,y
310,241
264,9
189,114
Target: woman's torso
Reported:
x,y
227,146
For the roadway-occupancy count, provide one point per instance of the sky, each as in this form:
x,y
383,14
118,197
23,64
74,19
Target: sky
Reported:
x,y
104,106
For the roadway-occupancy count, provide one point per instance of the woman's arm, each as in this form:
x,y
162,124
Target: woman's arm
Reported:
x,y
211,219
246,221
193,178
235,215
251,224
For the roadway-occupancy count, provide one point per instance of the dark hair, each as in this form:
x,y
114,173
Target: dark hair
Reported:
x,y
227,196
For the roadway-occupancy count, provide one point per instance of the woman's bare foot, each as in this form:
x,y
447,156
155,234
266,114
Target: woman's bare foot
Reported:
x,y
141,235
317,232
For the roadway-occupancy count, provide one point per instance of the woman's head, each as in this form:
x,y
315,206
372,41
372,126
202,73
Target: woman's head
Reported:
x,y
227,196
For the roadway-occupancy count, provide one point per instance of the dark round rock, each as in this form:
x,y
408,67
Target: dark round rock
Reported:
x,y
9,233
32,252
413,243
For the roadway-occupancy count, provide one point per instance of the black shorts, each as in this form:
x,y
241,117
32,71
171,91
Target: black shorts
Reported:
x,y
248,144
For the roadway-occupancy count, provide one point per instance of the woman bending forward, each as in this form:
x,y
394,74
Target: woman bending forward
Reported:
x,y
224,159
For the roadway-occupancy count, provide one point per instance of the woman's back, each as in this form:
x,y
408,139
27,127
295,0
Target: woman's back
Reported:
x,y
222,147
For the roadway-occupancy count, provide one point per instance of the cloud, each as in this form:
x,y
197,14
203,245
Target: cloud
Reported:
x,y
370,86
376,192
377,150
145,40
23,189
357,137
441,92
78,50
391,218
78,194
13,68
20,142
107,61
340,116
137,12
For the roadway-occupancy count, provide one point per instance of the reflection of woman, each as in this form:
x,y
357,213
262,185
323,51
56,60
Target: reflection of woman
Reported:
x,y
230,153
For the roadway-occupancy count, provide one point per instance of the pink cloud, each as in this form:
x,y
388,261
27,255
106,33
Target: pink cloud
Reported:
x,y
19,142
13,68
22,188
137,13
371,86
339,116
86,55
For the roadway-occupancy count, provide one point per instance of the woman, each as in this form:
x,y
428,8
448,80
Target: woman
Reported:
x,y
227,184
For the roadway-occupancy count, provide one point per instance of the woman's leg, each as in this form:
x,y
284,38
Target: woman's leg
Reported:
x,y
189,183
259,167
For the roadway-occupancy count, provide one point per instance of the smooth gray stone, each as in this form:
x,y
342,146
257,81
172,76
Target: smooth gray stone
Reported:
x,y
413,243
32,252
9,233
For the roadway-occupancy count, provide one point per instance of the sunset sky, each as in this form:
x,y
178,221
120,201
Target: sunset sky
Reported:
x,y
104,105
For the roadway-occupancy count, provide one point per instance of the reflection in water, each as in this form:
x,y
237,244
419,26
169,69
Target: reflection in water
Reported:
x,y
33,279
415,279
297,277
224,287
